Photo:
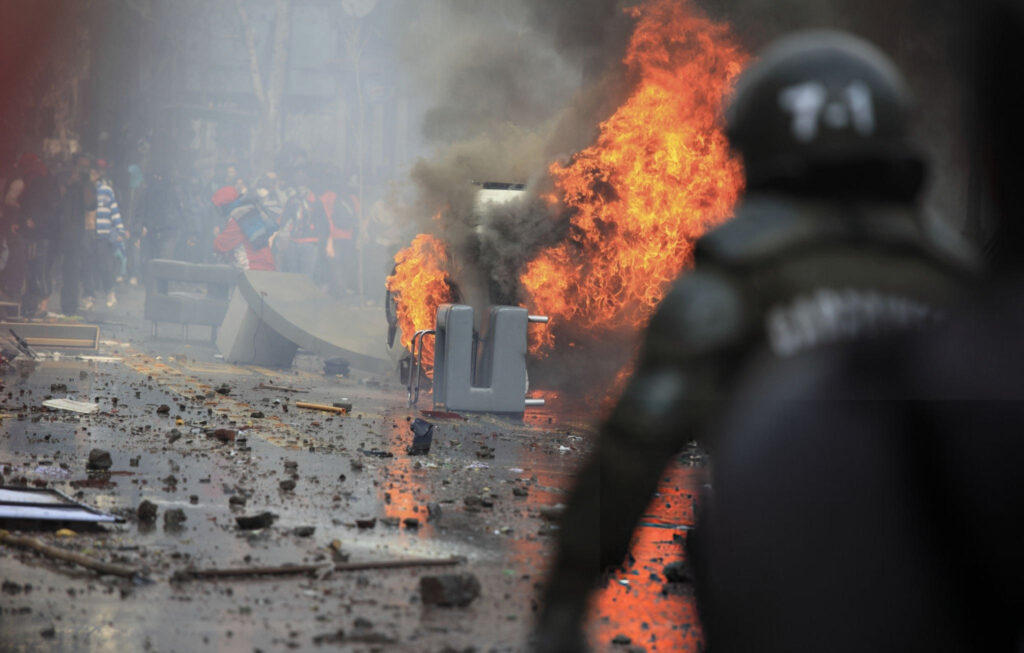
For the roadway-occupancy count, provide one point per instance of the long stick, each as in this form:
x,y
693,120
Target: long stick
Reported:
x,y
323,407
399,564
67,556
292,570
267,386
286,570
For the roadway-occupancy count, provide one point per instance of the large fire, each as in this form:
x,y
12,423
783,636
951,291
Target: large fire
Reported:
x,y
659,175
420,285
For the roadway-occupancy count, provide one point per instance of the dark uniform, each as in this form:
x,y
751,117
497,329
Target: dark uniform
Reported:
x,y
892,467
827,248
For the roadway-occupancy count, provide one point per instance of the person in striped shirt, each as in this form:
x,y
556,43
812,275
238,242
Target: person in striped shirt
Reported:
x,y
109,235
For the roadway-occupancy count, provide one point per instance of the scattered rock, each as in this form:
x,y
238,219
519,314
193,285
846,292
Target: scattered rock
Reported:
x,y
433,511
146,511
48,633
173,436
10,587
411,523
224,435
236,501
287,485
99,459
58,387
256,522
449,590
304,531
621,640
223,389
134,462
520,492
174,518
257,414
164,409
366,523
678,572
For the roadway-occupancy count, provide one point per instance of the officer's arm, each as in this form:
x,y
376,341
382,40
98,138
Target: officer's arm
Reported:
x,y
687,350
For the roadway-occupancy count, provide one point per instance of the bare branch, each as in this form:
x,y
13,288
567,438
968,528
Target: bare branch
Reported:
x,y
279,67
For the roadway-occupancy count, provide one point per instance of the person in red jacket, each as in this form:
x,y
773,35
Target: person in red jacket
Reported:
x,y
249,233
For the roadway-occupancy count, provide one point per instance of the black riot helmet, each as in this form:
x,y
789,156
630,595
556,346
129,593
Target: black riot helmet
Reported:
x,y
825,113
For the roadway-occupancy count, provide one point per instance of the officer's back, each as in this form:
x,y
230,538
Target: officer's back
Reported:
x,y
828,247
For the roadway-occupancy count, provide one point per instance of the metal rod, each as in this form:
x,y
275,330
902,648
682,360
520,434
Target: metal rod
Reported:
x,y
538,319
416,365
534,402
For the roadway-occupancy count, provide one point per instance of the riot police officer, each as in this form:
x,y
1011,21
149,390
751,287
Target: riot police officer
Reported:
x,y
828,247
892,525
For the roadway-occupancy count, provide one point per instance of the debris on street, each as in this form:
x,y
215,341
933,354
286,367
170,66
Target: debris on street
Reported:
x,y
83,407
449,590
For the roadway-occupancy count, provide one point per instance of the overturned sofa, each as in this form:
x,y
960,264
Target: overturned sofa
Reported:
x,y
188,294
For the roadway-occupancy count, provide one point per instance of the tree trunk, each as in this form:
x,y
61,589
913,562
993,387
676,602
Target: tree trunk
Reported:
x,y
269,90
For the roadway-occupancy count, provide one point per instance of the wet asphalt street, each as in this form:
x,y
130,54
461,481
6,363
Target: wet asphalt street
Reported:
x,y
340,488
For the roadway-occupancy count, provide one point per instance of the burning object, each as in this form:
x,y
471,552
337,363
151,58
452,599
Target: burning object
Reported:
x,y
659,175
485,373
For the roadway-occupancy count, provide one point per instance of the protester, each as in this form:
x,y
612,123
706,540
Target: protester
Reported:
x,y
249,233
305,236
159,216
77,212
40,207
110,235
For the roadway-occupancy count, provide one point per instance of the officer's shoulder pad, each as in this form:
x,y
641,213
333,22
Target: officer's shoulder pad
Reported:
x,y
763,227
703,311
949,245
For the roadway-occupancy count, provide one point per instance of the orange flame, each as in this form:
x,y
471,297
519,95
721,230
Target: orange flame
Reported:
x,y
658,177
420,284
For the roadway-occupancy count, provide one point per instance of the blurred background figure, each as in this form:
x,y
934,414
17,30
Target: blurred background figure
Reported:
x,y
77,220
868,499
828,248
304,241
35,195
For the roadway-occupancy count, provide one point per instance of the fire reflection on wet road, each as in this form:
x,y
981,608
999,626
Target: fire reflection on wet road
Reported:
x,y
638,602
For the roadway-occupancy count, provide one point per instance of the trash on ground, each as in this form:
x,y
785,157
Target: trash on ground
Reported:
x,y
46,505
99,460
423,436
336,367
84,407
323,407
255,522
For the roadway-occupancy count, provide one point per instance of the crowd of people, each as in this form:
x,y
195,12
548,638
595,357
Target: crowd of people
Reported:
x,y
63,229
